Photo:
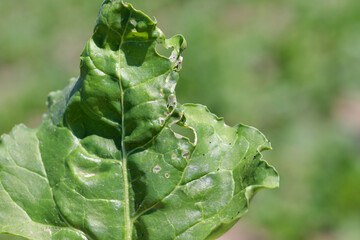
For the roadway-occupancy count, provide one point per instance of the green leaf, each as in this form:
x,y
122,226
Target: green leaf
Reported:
x,y
109,161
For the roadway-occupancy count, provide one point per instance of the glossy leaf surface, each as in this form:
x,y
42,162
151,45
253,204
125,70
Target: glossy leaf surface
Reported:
x,y
108,161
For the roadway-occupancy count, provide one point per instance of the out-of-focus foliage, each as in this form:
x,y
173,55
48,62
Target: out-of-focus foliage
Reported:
x,y
291,68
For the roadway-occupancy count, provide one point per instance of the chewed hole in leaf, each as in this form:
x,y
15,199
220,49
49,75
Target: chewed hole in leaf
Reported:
x,y
178,64
181,131
165,52
162,121
172,102
167,175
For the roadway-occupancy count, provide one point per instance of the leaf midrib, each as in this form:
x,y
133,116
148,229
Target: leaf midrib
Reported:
x,y
128,223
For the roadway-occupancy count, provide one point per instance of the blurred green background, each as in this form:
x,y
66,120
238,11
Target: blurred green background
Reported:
x,y
288,67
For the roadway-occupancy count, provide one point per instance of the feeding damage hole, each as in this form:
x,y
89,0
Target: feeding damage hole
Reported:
x,y
162,51
156,169
178,64
173,56
181,131
172,102
162,121
167,175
